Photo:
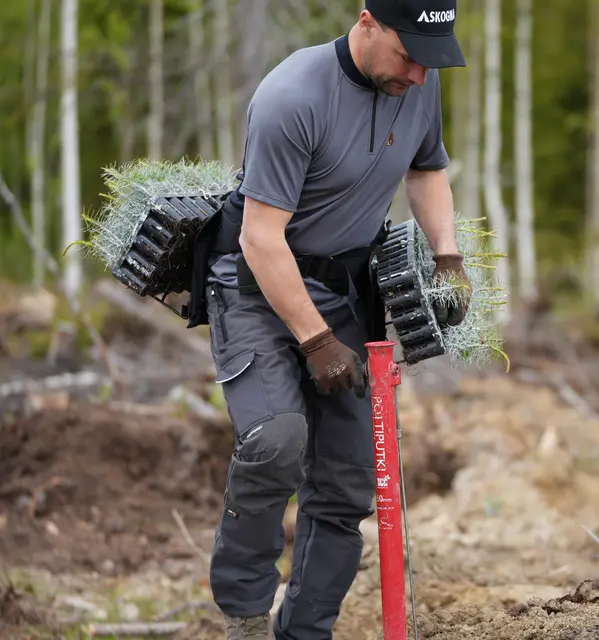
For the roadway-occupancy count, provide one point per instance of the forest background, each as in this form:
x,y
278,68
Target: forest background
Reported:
x,y
85,85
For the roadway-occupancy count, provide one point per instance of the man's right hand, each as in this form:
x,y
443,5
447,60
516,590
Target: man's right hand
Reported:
x,y
332,365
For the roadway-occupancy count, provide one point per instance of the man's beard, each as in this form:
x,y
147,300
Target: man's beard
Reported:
x,y
388,86
383,83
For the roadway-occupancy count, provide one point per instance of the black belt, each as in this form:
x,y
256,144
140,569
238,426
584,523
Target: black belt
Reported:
x,y
334,273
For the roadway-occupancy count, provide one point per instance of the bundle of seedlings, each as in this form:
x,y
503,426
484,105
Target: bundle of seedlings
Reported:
x,y
404,266
145,230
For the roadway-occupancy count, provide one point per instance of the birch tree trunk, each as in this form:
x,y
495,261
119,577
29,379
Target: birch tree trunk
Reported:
x,y
253,55
492,175
459,116
126,123
38,134
29,48
201,88
592,230
527,277
71,189
224,106
472,169
156,80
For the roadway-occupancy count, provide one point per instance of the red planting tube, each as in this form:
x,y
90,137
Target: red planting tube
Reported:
x,y
384,375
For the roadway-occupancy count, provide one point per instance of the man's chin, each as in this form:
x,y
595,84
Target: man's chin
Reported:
x,y
393,88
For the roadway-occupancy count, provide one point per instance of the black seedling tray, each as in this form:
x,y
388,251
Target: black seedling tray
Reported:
x,y
160,259
400,281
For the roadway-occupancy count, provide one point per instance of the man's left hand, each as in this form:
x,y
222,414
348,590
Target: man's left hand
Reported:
x,y
451,267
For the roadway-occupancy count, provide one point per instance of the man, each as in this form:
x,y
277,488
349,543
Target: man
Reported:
x,y
332,131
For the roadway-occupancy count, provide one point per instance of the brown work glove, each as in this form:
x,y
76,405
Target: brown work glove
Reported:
x,y
451,267
332,365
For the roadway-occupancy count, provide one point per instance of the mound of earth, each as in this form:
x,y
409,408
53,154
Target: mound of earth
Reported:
x,y
90,488
528,484
571,617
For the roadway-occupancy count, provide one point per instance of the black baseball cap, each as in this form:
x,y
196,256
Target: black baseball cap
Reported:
x,y
425,28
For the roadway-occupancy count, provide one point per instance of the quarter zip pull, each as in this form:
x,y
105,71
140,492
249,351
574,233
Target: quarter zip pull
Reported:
x,y
373,120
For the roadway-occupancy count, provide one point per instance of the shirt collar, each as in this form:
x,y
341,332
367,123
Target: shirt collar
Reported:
x,y
348,65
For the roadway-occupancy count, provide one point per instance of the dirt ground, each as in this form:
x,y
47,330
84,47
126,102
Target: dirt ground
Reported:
x,y
89,489
498,555
501,479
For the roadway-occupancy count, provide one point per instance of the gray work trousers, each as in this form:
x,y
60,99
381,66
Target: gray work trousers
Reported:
x,y
289,439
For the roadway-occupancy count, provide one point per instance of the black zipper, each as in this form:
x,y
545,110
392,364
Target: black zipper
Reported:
x,y
222,306
373,121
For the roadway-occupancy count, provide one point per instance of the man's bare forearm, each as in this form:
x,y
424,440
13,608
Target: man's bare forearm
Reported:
x,y
431,201
278,276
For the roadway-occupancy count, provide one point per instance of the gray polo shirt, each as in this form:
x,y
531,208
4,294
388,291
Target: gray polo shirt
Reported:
x,y
323,143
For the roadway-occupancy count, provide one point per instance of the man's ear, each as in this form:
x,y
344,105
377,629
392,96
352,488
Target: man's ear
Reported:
x,y
367,23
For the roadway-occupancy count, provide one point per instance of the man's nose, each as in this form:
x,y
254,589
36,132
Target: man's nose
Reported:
x,y
417,74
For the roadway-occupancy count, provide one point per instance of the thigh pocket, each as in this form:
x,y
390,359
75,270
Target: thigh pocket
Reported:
x,y
216,307
246,400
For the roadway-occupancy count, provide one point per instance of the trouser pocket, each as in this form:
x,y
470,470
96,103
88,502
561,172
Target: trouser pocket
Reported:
x,y
242,387
216,308
221,309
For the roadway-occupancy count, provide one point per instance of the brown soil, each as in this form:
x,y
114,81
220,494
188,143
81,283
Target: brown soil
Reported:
x,y
88,488
91,489
495,556
572,617
500,477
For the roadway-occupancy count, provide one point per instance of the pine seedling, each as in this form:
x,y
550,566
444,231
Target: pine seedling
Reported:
x,y
477,339
132,188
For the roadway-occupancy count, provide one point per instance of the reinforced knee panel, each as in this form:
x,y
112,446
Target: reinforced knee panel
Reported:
x,y
267,465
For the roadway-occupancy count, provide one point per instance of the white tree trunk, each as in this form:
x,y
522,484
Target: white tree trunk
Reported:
x,y
458,78
592,231
472,169
126,125
525,239
29,48
38,134
201,88
71,189
253,54
156,80
224,106
492,174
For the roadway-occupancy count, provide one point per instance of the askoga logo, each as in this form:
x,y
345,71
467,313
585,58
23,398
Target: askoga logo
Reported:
x,y
437,16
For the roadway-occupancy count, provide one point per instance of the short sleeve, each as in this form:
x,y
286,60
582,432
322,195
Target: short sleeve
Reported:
x,y
431,155
279,149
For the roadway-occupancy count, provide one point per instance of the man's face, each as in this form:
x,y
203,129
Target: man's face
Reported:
x,y
387,63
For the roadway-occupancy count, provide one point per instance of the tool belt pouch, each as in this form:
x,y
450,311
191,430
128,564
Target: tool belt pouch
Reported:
x,y
196,311
377,318
220,236
226,238
367,289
